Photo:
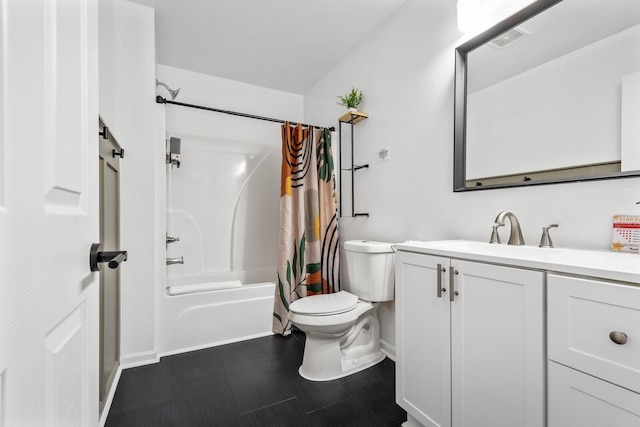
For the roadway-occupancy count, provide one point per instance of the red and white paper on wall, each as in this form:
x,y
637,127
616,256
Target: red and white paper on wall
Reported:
x,y
626,233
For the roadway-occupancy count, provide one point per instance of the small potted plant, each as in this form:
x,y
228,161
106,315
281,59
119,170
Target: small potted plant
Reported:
x,y
351,100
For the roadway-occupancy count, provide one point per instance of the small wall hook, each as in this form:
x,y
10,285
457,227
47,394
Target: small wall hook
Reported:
x,y
104,133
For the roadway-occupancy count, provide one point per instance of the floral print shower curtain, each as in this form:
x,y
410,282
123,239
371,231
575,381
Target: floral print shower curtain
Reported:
x,y
308,259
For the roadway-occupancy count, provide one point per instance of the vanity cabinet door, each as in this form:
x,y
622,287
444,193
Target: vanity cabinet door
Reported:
x,y
580,400
475,360
497,351
422,338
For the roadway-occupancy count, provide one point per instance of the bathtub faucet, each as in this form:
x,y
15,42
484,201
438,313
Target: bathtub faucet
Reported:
x,y
171,261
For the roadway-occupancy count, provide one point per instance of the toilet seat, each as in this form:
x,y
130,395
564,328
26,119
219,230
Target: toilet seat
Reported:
x,y
335,324
325,305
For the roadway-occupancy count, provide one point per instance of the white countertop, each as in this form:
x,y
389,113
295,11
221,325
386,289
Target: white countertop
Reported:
x,y
621,266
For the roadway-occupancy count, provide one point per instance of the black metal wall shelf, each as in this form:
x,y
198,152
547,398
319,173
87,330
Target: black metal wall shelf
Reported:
x,y
351,118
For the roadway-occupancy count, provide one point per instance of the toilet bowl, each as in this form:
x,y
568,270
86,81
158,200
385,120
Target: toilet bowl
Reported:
x,y
342,329
340,343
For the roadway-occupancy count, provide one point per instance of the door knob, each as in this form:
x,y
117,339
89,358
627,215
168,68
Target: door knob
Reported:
x,y
112,258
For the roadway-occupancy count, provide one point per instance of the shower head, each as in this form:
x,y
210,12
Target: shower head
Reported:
x,y
172,92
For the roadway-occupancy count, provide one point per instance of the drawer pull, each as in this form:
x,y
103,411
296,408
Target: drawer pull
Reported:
x,y
618,337
440,289
452,273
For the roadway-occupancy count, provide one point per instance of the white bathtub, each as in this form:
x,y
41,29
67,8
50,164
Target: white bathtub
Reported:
x,y
205,319
223,203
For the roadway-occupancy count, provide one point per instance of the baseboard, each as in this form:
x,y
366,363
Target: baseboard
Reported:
x,y
388,349
139,359
411,422
112,392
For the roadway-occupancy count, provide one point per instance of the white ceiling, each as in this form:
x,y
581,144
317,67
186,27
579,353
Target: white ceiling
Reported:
x,y
281,44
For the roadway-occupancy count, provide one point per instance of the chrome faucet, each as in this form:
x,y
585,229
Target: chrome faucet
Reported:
x,y
495,236
171,261
545,240
172,239
516,234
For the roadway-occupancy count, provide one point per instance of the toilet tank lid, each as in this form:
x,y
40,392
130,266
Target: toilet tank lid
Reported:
x,y
368,246
326,304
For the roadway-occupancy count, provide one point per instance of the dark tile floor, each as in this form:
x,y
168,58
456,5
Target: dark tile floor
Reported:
x,y
252,383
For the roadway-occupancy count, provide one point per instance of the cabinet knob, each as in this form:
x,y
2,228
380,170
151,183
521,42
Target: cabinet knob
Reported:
x,y
618,337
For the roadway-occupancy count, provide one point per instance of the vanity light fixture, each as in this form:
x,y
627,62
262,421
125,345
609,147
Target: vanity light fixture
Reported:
x,y
481,14
468,10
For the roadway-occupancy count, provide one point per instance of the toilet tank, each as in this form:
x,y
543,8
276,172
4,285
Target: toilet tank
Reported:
x,y
370,269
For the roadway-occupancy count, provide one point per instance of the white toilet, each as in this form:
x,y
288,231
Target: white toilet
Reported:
x,y
342,329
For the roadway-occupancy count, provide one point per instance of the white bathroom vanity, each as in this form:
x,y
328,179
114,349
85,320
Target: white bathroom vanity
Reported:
x,y
497,335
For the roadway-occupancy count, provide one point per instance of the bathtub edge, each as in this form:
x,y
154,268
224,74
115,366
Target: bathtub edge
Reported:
x,y
214,344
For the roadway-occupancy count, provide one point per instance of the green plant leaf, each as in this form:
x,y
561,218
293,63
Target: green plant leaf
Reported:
x,y
302,247
323,154
314,288
289,273
285,303
295,263
313,268
351,99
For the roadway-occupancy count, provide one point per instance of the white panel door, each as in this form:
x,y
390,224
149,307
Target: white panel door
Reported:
x,y
497,346
423,338
48,213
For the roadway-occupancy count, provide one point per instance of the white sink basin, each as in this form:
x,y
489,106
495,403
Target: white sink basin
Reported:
x,y
498,250
596,263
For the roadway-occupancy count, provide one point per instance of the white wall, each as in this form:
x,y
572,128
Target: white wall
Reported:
x,y
216,92
127,72
406,72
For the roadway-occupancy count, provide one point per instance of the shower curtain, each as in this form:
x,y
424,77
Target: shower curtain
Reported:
x,y
308,259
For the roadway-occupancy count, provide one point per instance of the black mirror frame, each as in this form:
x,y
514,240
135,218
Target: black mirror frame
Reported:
x,y
460,105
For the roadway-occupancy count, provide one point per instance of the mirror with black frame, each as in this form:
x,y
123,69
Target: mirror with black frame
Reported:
x,y
551,94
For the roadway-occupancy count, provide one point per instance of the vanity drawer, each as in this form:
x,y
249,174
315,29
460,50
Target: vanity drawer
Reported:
x,y
581,315
580,400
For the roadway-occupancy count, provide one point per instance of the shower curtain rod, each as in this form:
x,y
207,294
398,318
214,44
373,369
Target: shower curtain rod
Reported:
x,y
161,100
